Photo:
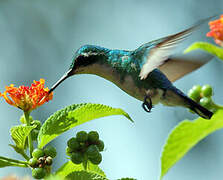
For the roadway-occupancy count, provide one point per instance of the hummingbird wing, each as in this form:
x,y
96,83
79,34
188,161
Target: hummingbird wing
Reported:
x,y
160,53
176,67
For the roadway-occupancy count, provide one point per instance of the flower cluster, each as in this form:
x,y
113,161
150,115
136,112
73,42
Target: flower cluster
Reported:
x,y
27,98
216,32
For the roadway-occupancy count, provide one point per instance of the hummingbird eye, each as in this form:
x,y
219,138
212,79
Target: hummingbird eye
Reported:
x,y
79,61
83,60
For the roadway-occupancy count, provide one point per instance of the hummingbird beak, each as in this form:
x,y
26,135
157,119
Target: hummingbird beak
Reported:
x,y
65,76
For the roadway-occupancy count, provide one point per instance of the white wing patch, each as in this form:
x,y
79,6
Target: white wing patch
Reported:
x,y
156,58
161,52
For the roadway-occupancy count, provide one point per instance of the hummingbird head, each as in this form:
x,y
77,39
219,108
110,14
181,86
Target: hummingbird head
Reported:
x,y
82,60
84,57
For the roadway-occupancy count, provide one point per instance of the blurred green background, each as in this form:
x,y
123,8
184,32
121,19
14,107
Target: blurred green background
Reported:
x,y
38,39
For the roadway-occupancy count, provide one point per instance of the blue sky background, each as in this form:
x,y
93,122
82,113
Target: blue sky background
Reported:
x,y
38,39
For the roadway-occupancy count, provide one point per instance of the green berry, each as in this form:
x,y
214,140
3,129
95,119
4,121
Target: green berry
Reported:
x,y
92,151
100,145
23,120
37,153
83,147
49,161
82,136
93,136
33,162
68,151
73,144
50,151
207,91
195,92
97,159
38,173
34,134
206,102
197,88
77,157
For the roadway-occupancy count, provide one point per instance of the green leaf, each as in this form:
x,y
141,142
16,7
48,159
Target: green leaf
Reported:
x,y
19,135
70,167
54,177
96,169
185,136
71,116
20,151
84,175
210,48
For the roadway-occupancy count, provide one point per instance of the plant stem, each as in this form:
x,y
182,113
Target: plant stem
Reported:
x,y
30,142
85,163
24,155
13,160
20,165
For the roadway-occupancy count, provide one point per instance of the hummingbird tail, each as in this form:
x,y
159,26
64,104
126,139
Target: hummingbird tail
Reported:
x,y
175,97
197,108
200,110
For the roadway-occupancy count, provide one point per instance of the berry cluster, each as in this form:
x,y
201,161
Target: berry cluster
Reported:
x,y
41,161
85,146
202,95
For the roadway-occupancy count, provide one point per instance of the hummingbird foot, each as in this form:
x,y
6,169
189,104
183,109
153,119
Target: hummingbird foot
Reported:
x,y
147,105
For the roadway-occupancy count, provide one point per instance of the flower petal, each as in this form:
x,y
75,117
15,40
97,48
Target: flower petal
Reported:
x,y
27,98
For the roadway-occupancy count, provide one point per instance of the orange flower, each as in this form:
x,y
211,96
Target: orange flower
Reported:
x,y
216,32
27,98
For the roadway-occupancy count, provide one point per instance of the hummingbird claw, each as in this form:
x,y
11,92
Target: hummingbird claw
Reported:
x,y
147,105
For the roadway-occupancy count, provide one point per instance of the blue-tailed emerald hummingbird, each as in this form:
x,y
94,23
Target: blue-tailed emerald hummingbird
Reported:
x,y
145,73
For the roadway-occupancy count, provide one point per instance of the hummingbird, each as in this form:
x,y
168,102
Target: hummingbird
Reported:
x,y
146,73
